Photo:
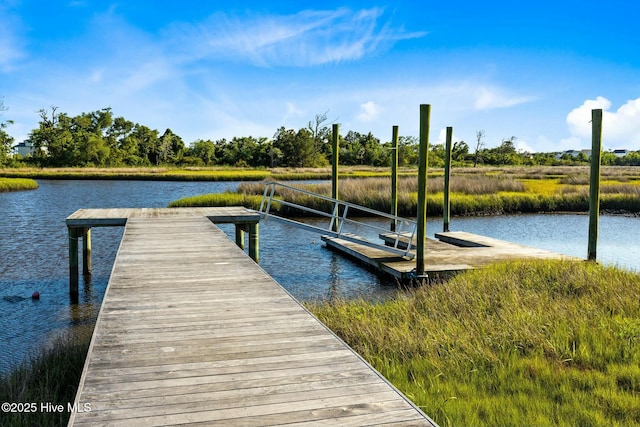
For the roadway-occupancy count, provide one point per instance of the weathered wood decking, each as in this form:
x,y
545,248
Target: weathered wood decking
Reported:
x,y
453,252
192,331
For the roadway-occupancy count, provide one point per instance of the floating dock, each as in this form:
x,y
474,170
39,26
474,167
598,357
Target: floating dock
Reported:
x,y
452,252
193,332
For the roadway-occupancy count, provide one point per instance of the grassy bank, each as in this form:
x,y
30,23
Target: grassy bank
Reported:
x,y
522,343
17,184
50,377
475,192
194,173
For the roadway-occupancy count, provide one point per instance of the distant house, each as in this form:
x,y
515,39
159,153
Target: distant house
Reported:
x,y
25,148
621,152
573,153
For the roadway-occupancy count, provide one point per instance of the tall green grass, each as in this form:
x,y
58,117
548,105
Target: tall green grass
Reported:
x,y
17,184
160,173
488,196
49,377
219,199
533,343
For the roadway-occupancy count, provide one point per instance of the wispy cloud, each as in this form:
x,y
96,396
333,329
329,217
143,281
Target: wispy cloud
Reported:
x,y
306,38
489,98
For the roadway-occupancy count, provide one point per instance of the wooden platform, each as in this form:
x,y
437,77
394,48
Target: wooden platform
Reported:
x,y
119,216
192,331
453,252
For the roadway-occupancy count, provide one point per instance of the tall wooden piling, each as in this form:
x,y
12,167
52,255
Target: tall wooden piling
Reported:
x,y
446,209
86,251
594,187
335,151
394,177
254,241
73,263
425,113
240,235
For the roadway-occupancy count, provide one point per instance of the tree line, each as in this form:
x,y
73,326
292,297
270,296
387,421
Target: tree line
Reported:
x,y
100,139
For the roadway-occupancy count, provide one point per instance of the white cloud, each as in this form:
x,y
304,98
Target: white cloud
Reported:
x,y
488,98
523,146
620,128
368,111
306,38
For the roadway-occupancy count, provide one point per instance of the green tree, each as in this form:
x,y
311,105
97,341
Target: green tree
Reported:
x,y
460,151
408,148
297,148
205,150
436,156
123,147
6,141
53,139
480,134
169,148
243,151
321,133
88,132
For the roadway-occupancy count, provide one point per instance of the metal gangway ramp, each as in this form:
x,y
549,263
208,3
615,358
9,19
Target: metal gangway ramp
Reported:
x,y
342,219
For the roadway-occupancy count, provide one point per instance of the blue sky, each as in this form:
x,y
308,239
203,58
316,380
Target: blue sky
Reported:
x,y
214,69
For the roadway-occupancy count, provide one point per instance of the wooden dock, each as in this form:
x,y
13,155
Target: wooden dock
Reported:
x,y
452,252
192,331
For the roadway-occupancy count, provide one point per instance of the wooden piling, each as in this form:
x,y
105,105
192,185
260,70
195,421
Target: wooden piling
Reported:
x,y
335,150
594,187
394,177
425,113
73,263
240,235
446,209
86,251
254,241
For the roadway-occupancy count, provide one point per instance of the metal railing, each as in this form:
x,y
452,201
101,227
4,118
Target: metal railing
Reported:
x,y
340,224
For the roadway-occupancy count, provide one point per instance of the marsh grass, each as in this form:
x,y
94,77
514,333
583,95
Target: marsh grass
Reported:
x,y
219,199
518,343
477,199
17,184
482,191
51,376
159,173
141,173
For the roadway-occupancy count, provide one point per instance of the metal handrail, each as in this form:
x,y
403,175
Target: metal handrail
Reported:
x,y
338,219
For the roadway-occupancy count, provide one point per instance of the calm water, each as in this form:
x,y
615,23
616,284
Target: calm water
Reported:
x,y
33,251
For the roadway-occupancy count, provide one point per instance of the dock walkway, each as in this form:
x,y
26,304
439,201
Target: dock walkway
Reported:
x,y
192,331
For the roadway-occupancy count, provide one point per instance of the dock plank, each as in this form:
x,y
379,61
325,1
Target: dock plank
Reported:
x,y
192,331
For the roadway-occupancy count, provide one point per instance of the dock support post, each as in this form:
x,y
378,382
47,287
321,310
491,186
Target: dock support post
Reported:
x,y
594,187
335,151
86,251
73,263
240,235
394,178
446,209
425,113
254,241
